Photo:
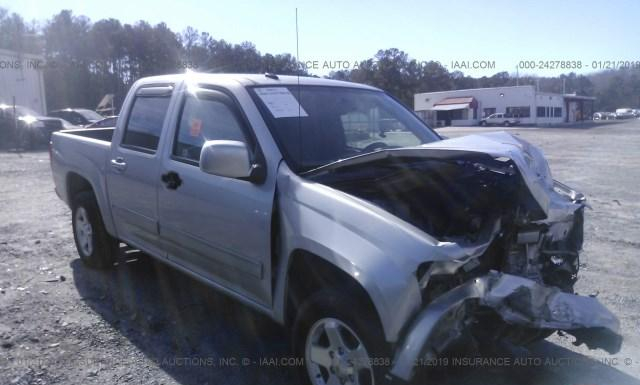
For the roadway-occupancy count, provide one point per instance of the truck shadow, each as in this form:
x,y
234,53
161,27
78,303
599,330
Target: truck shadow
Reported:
x,y
197,335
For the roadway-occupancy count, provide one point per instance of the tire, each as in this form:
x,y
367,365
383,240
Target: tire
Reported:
x,y
507,123
26,140
356,352
97,249
483,123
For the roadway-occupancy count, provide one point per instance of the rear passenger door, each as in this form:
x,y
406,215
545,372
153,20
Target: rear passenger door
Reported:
x,y
133,169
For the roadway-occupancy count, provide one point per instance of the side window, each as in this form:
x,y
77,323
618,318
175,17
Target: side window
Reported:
x,y
74,118
201,120
144,124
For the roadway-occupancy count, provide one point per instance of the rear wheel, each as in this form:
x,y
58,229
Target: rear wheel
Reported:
x,y
95,246
341,342
507,123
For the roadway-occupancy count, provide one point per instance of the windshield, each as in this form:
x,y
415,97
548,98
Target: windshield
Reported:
x,y
336,123
89,115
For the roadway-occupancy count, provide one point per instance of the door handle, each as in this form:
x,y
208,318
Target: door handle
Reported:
x,y
171,179
119,164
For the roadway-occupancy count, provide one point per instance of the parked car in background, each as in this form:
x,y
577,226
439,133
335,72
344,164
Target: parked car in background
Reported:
x,y
77,116
109,121
499,119
26,128
625,113
604,115
67,125
377,251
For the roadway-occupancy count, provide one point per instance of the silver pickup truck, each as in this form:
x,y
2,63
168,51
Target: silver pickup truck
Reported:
x,y
332,208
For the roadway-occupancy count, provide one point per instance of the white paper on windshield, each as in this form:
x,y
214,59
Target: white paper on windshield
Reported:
x,y
280,102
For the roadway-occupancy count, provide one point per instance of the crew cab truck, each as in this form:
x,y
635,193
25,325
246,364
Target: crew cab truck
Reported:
x,y
332,208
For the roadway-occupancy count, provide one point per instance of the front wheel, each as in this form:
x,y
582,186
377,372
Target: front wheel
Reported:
x,y
341,342
95,246
26,139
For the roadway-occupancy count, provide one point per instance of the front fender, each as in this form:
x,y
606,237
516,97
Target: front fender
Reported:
x,y
312,218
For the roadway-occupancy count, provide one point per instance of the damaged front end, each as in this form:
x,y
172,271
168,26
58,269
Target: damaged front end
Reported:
x,y
520,302
512,233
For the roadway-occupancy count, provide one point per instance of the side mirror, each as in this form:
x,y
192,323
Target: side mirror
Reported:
x,y
228,158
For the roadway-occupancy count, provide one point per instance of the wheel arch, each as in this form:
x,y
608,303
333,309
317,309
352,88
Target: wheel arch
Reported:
x,y
76,183
309,273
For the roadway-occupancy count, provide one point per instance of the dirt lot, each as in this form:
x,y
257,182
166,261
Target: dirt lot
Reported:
x,y
142,323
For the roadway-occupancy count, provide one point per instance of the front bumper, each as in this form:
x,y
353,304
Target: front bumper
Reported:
x,y
518,301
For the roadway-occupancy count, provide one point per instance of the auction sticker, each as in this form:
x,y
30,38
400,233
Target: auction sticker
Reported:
x,y
280,102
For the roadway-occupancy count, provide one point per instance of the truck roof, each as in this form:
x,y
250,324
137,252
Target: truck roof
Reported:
x,y
253,80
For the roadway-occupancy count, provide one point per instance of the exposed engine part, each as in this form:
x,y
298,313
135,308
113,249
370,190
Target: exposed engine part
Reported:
x,y
445,198
548,255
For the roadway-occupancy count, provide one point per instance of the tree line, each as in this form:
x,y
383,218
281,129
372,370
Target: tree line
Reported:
x,y
85,60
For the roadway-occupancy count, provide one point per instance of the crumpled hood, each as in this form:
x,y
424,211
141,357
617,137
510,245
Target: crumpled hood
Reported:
x,y
530,161
528,158
502,146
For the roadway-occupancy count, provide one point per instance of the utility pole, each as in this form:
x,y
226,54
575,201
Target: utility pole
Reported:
x,y
16,133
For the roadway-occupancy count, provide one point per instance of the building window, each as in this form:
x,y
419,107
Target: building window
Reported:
x,y
457,115
557,112
540,112
488,111
519,112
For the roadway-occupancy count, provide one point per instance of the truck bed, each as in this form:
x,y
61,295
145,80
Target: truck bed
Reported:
x,y
102,133
82,152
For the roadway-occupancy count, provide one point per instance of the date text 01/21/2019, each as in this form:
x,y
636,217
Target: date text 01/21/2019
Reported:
x,y
578,64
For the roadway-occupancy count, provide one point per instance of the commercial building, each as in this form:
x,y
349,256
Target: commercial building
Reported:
x,y
530,106
22,81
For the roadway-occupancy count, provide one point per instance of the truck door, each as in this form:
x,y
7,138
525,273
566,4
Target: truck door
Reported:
x,y
133,169
217,227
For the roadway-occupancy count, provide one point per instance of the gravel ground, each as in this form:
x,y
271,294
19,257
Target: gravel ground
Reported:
x,y
142,323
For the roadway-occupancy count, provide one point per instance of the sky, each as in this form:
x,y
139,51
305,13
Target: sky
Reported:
x,y
478,37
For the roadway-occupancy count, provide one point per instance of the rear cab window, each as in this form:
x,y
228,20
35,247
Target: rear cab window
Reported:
x,y
146,118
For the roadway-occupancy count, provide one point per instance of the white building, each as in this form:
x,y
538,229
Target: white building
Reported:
x,y
468,107
21,77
